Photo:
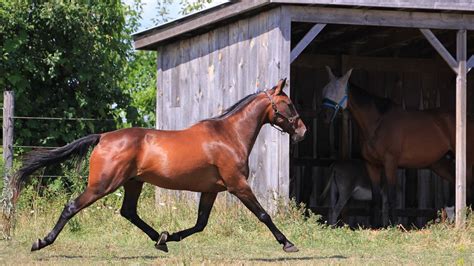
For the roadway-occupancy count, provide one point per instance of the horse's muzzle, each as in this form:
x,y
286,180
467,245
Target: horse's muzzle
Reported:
x,y
299,133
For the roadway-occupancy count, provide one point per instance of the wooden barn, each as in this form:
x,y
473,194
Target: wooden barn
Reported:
x,y
416,52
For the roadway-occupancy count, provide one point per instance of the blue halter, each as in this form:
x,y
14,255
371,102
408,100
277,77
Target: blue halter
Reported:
x,y
335,105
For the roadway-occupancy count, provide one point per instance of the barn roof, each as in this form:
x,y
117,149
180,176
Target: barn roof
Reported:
x,y
210,18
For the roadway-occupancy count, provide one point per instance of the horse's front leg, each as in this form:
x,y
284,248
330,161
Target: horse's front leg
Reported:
x,y
389,193
205,206
242,190
375,172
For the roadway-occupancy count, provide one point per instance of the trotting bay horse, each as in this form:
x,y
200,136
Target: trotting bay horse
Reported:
x,y
208,157
392,137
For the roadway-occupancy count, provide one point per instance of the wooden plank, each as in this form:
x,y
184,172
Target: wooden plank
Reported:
x,y
159,88
204,88
439,47
307,39
374,17
148,39
416,4
283,140
374,63
460,156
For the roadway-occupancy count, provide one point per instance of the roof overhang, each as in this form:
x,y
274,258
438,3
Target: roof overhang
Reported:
x,y
232,10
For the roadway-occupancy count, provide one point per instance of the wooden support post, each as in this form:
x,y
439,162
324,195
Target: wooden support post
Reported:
x,y
7,197
307,39
440,48
461,129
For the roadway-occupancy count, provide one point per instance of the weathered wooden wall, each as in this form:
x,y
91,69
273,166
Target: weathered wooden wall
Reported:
x,y
199,77
415,83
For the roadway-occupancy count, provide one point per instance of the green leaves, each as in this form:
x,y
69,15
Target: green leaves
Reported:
x,y
64,59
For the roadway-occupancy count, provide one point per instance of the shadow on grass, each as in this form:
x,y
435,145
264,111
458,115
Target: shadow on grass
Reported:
x,y
298,258
145,257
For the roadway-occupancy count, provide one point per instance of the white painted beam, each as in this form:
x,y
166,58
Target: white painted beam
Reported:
x,y
461,94
470,63
307,39
439,47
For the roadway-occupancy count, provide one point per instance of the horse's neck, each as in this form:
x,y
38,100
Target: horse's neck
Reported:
x,y
248,121
364,113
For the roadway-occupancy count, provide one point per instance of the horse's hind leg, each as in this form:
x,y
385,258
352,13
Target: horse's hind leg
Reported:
x,y
445,168
101,182
88,197
205,206
133,188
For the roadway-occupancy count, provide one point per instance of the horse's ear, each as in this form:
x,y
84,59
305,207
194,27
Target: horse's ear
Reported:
x,y
279,87
331,75
346,76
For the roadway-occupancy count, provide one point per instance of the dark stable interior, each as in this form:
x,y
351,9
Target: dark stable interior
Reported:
x,y
396,63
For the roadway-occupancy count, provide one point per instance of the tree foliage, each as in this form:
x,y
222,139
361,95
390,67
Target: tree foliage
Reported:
x,y
64,59
73,59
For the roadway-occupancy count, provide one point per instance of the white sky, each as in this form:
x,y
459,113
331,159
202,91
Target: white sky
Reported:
x,y
149,11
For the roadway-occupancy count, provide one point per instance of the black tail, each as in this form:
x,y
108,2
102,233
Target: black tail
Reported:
x,y
42,158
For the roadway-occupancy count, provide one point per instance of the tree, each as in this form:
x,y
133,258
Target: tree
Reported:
x,y
65,59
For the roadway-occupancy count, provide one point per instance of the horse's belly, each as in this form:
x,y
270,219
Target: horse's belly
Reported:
x,y
422,152
205,179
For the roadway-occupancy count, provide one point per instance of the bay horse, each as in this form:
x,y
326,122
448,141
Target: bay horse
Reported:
x,y
392,137
348,180
209,157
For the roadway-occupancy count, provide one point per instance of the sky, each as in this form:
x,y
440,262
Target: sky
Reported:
x,y
149,11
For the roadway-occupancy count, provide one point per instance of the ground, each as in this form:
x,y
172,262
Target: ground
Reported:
x,y
233,237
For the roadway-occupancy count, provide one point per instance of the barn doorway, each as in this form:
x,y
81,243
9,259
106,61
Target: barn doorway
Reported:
x,y
396,63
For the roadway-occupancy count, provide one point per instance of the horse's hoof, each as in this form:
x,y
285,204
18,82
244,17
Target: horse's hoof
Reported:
x,y
161,243
162,247
36,245
289,247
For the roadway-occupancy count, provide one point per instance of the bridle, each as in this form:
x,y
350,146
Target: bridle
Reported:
x,y
335,105
291,120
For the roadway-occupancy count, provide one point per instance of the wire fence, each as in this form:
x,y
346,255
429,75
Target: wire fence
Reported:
x,y
50,118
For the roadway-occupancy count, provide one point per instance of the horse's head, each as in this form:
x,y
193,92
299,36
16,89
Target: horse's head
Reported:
x,y
283,113
334,95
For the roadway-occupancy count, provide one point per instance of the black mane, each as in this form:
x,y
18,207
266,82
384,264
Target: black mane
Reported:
x,y
235,107
362,97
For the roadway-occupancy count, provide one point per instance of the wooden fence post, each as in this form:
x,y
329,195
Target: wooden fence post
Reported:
x,y
7,196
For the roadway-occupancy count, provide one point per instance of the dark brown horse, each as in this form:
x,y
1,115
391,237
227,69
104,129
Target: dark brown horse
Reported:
x,y
208,157
392,137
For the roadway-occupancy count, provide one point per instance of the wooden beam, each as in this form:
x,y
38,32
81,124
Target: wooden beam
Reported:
x,y
460,156
376,17
439,47
431,4
307,39
470,63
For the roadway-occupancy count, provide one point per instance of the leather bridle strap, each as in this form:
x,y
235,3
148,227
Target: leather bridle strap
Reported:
x,y
290,119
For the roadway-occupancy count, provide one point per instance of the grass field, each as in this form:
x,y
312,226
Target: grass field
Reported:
x,y
99,235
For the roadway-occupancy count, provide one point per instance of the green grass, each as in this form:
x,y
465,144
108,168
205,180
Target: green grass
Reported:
x,y
99,235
